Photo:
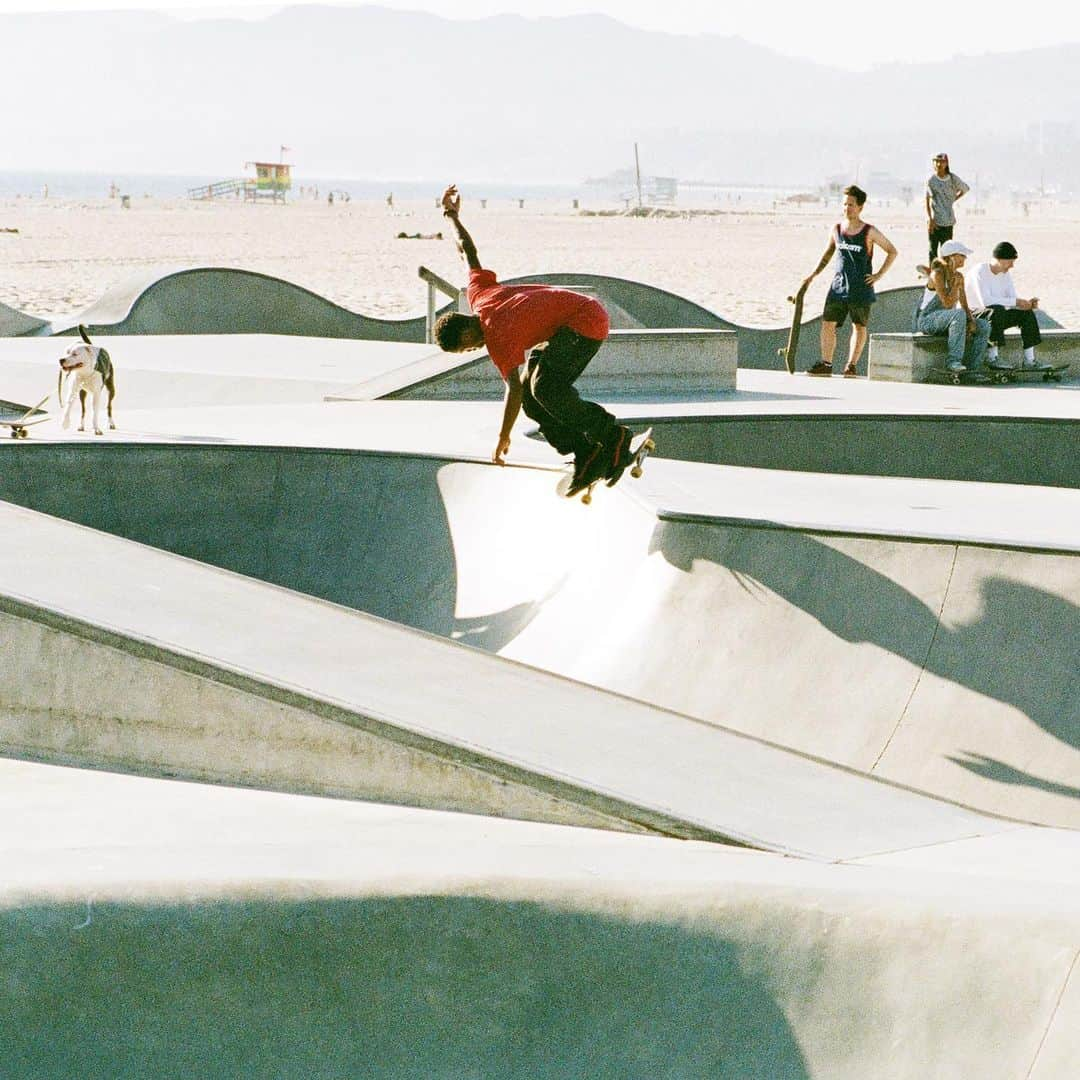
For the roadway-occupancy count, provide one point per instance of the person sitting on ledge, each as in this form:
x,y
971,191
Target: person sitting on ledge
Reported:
x,y
990,285
944,309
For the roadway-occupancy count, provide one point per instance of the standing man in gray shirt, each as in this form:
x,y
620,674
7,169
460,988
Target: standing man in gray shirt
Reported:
x,y
942,190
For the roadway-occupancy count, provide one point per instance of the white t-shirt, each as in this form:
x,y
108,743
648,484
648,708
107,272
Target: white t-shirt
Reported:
x,y
985,288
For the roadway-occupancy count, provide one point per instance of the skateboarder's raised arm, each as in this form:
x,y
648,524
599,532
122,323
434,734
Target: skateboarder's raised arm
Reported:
x,y
451,204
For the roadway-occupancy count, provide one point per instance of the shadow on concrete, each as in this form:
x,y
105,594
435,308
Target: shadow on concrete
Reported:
x,y
1021,650
372,532
400,987
991,769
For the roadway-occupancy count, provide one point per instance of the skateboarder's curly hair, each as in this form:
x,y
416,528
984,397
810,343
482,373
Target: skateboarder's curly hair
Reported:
x,y
452,327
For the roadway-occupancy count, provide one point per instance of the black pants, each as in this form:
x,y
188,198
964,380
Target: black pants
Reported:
x,y
569,423
938,236
1001,318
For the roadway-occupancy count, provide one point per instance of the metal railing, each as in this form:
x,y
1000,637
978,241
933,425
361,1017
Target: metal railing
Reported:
x,y
438,284
218,189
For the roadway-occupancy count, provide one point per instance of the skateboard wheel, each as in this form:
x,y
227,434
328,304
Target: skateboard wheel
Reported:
x,y
587,498
636,472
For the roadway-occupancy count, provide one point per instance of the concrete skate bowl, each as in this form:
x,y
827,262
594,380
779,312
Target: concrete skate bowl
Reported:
x,y
213,300
513,988
14,323
217,300
945,667
993,449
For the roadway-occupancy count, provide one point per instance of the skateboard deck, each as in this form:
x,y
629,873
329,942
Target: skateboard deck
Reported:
x,y
788,353
640,447
1045,372
19,426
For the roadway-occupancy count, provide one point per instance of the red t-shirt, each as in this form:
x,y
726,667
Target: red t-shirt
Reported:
x,y
515,318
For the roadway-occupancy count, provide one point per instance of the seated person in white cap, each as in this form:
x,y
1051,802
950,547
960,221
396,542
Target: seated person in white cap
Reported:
x,y
990,285
944,309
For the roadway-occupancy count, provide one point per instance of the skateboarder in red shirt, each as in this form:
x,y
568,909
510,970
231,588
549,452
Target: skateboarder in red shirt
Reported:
x,y
560,331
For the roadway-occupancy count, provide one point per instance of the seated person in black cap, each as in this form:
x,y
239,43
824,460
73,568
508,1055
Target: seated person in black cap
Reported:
x,y
990,285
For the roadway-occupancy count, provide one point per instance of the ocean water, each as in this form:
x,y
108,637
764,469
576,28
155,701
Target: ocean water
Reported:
x,y
71,185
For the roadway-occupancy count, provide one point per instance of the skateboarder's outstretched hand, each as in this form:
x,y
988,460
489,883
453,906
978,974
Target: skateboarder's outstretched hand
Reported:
x,y
451,201
501,450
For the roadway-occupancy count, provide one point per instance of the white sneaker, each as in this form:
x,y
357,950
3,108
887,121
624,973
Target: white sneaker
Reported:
x,y
1031,364
999,364
955,365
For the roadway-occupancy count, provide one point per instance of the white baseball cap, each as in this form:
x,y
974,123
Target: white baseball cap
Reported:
x,y
954,247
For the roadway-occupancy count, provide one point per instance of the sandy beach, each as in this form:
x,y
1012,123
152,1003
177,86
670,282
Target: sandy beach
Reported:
x,y
740,261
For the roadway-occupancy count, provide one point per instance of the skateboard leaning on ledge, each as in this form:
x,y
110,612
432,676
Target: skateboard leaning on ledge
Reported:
x,y
28,419
640,447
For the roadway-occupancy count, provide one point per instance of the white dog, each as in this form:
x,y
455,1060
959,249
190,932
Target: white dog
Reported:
x,y
84,369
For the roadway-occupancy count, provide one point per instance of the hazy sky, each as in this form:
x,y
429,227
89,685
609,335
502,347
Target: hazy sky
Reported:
x,y
840,33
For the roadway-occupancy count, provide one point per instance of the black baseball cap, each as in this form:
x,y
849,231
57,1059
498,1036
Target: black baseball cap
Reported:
x,y
1004,250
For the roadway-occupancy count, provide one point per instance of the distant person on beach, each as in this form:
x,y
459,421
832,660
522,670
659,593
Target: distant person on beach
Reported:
x,y
990,285
554,333
944,310
852,242
943,189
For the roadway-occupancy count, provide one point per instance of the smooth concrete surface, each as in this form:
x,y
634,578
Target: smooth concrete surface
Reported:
x,y
980,448
630,364
207,659
217,300
675,590
170,929
213,369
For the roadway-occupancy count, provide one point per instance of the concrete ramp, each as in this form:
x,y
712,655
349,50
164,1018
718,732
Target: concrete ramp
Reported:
x,y
947,665
121,655
15,323
882,444
155,928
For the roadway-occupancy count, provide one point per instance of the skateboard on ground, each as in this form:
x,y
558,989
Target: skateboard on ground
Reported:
x,y
787,354
1046,372
640,447
19,426
958,378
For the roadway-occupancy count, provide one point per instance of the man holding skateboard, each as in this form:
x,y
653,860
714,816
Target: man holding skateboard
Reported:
x,y
852,242
554,333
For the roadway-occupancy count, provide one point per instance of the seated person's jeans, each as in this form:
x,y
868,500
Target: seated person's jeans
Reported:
x,y
953,324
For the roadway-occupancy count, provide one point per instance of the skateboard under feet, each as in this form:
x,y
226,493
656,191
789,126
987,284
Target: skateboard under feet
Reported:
x,y
640,447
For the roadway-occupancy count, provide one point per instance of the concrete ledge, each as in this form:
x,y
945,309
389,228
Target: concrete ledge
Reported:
x,y
629,362
909,357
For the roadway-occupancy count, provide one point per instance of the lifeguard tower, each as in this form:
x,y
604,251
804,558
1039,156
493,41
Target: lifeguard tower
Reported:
x,y
271,181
